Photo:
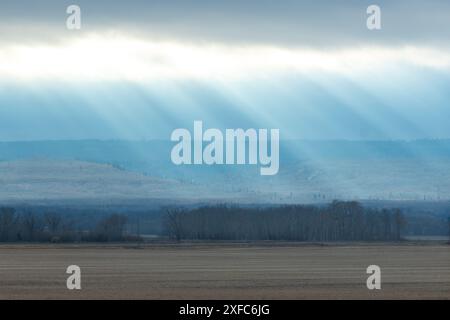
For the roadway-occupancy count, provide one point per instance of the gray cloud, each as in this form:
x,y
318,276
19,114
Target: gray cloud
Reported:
x,y
289,23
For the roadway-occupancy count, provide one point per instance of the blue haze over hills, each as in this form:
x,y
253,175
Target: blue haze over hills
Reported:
x,y
310,171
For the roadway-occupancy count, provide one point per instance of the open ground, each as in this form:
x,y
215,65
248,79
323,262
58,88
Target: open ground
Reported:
x,y
226,271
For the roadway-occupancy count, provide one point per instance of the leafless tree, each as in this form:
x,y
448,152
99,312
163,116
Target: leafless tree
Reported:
x,y
52,222
340,221
112,227
8,222
173,222
31,226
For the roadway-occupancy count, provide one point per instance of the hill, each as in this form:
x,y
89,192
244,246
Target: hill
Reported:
x,y
310,171
44,179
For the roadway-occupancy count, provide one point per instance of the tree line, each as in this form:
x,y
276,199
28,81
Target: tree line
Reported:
x,y
338,221
53,227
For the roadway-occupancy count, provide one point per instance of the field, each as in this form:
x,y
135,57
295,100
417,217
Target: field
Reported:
x,y
226,271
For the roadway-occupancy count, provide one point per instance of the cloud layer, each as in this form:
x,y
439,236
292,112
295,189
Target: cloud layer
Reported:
x,y
139,69
112,57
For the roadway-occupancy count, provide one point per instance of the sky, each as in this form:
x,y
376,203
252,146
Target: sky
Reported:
x,y
140,69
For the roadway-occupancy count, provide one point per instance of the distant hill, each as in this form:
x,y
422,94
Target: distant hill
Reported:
x,y
310,171
39,179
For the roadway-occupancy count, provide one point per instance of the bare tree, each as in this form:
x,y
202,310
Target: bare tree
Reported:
x,y
52,222
8,221
448,229
173,223
31,226
340,221
112,227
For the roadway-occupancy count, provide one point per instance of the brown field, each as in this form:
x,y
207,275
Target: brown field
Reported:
x,y
226,271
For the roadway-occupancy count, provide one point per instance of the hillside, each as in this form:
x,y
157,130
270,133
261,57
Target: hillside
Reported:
x,y
39,179
309,172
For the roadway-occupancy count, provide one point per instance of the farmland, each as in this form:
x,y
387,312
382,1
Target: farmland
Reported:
x,y
410,270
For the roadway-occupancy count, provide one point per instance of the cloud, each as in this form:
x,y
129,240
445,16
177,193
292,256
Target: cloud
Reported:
x,y
140,68
103,57
328,23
